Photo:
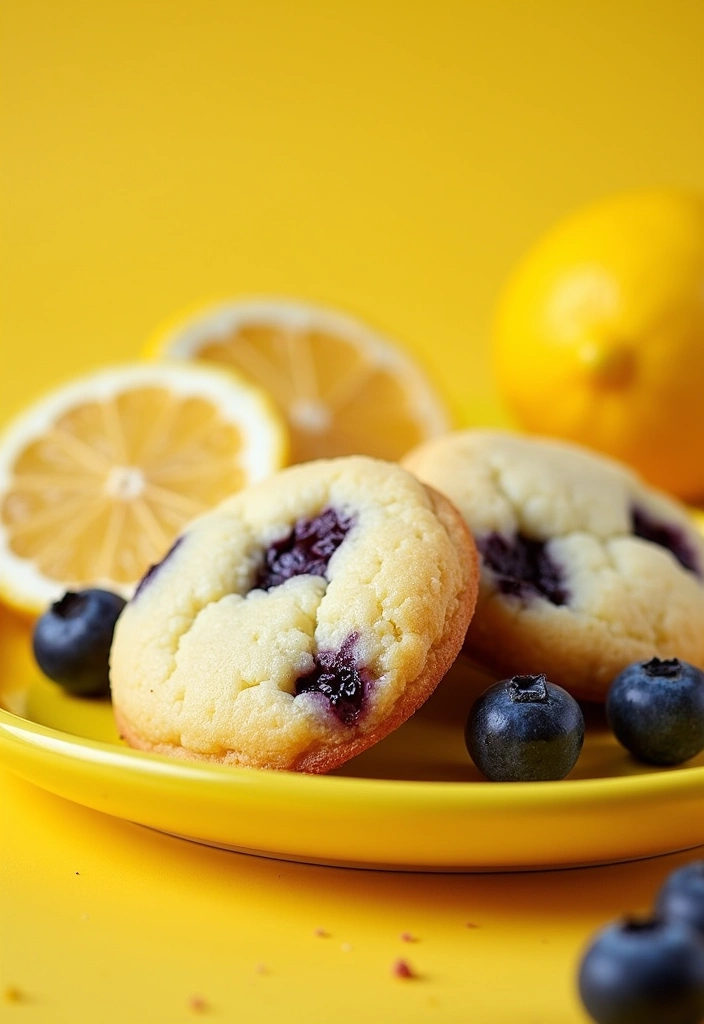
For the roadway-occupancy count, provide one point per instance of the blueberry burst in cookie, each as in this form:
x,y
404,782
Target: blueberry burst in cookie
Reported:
x,y
299,622
584,568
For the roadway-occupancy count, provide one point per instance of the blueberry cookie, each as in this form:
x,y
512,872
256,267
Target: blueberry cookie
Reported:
x,y
584,568
299,622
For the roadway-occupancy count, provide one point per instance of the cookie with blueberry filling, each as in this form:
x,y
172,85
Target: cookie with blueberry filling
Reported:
x,y
584,568
299,622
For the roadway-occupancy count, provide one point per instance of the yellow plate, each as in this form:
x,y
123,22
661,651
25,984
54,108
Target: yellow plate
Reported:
x,y
414,801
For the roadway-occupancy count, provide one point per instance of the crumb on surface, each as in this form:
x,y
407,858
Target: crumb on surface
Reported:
x,y
12,994
261,969
408,937
322,933
402,969
197,1004
471,924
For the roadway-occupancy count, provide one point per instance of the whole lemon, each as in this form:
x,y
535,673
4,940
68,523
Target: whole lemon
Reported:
x,y
600,335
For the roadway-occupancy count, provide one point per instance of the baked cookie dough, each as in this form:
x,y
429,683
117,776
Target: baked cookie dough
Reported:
x,y
299,622
584,568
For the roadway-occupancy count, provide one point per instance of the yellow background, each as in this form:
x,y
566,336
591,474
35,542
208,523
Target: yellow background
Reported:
x,y
393,159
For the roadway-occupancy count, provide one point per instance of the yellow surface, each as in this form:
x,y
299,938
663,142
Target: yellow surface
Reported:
x,y
392,160
104,920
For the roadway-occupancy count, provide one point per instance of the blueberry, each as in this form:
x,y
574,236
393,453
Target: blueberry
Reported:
x,y
72,639
681,897
525,729
644,971
656,710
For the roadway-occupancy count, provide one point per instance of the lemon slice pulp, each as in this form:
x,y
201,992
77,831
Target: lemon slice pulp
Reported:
x,y
342,388
98,477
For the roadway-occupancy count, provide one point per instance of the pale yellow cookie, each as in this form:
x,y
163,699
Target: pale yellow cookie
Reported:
x,y
584,568
299,622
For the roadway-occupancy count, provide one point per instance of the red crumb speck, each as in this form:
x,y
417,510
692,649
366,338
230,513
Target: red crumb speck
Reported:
x,y
408,937
402,969
197,1004
322,933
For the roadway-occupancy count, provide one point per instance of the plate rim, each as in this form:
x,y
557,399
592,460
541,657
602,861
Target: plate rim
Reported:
x,y
17,729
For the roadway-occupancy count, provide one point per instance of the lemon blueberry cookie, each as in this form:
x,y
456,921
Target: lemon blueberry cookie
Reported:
x,y
584,568
299,622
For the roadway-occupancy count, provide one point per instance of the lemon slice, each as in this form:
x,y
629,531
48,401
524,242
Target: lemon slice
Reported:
x,y
343,389
98,477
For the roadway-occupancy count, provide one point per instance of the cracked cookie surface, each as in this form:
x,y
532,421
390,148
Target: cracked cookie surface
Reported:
x,y
584,568
299,622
